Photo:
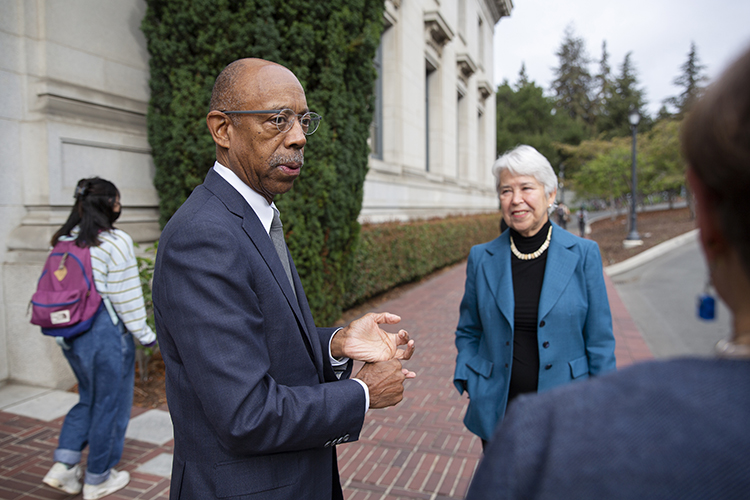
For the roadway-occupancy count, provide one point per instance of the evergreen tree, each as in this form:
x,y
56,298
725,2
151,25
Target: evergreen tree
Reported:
x,y
690,80
573,83
604,88
625,97
523,77
526,116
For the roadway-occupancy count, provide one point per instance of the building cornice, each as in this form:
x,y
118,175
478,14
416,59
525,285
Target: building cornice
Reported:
x,y
499,8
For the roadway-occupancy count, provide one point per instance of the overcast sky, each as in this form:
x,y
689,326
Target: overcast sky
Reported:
x,y
657,32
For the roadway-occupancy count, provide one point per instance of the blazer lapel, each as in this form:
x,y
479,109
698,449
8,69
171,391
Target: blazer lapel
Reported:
x,y
561,263
497,272
236,204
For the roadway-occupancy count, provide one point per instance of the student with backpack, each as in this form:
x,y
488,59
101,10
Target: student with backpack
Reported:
x,y
103,356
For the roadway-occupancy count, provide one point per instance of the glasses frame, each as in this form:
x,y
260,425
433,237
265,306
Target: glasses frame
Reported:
x,y
316,118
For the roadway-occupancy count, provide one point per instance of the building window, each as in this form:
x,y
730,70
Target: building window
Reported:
x,y
462,18
480,35
482,167
376,127
430,89
462,136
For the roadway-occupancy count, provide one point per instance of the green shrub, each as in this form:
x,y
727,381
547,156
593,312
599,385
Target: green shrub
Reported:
x,y
394,253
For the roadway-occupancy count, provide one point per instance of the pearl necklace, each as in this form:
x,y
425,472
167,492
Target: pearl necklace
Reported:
x,y
533,255
729,349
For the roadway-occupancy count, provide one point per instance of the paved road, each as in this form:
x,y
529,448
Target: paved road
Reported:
x,y
661,298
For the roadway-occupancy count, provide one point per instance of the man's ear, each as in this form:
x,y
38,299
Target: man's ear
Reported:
x,y
711,235
219,123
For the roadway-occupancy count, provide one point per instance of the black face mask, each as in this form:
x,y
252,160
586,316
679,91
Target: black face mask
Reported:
x,y
114,216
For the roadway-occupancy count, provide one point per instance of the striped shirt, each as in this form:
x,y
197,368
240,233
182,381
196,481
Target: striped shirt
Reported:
x,y
116,278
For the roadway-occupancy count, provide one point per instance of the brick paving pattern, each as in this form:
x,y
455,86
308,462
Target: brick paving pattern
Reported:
x,y
416,450
26,447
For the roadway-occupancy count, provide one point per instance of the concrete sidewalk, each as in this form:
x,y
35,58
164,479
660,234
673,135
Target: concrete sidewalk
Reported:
x,y
418,449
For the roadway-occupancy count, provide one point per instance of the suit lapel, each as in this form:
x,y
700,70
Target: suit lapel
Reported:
x,y
497,272
561,263
252,226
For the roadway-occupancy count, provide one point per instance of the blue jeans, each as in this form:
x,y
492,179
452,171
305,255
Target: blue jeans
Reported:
x,y
103,360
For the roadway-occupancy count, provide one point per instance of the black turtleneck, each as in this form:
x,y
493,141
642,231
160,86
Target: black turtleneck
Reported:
x,y
527,287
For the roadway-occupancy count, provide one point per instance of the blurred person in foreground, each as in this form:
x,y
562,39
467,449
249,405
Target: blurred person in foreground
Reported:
x,y
660,429
259,395
535,313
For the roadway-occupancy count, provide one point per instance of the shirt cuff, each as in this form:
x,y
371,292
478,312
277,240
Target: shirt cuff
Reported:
x,y
336,361
342,361
367,394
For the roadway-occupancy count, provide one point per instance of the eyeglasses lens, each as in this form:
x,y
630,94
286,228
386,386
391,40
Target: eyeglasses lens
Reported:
x,y
308,121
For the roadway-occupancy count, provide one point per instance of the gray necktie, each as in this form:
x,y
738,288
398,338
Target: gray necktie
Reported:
x,y
277,236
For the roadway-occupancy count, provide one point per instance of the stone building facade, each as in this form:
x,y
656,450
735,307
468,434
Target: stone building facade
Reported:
x,y
74,75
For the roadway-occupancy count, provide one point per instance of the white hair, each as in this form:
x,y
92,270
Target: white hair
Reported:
x,y
525,160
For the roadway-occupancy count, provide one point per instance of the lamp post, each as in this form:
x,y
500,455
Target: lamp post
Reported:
x,y
633,239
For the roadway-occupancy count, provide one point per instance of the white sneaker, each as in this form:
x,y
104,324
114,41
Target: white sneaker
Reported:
x,y
117,480
64,479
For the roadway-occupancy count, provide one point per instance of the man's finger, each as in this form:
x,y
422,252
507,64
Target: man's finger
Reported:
x,y
402,337
385,317
407,373
407,353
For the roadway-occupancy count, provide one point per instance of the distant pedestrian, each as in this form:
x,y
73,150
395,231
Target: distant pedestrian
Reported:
x,y
583,218
102,358
661,429
563,215
534,313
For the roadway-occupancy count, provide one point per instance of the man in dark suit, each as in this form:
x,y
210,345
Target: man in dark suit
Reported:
x,y
259,396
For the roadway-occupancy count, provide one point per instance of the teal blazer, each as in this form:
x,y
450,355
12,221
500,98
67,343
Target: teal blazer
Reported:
x,y
574,331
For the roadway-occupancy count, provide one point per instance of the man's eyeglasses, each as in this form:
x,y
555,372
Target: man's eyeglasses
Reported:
x,y
284,119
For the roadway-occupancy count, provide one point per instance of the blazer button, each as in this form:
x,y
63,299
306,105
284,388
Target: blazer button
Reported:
x,y
542,323
507,342
328,444
545,345
548,367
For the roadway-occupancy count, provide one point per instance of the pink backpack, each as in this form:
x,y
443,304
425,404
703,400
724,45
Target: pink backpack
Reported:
x,y
66,301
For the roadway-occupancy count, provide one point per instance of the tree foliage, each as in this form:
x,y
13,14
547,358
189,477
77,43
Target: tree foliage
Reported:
x,y
526,116
573,82
625,96
690,80
590,133
602,168
330,47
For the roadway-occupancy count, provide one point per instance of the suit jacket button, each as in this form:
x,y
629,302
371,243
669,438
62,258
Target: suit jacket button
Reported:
x,y
507,342
328,444
545,345
548,367
346,437
542,323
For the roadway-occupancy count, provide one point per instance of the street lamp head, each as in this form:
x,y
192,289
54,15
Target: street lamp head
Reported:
x,y
634,117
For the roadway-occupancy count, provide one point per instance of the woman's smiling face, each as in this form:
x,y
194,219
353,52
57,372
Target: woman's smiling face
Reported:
x,y
524,202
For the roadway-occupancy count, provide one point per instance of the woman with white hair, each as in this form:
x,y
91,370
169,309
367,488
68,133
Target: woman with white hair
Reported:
x,y
535,313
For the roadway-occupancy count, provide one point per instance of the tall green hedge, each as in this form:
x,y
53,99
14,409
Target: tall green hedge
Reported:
x,y
395,253
330,46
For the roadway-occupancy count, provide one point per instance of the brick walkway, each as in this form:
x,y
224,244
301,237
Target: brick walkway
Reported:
x,y
418,449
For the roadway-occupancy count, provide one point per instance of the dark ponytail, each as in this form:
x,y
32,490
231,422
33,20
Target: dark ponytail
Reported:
x,y
93,211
